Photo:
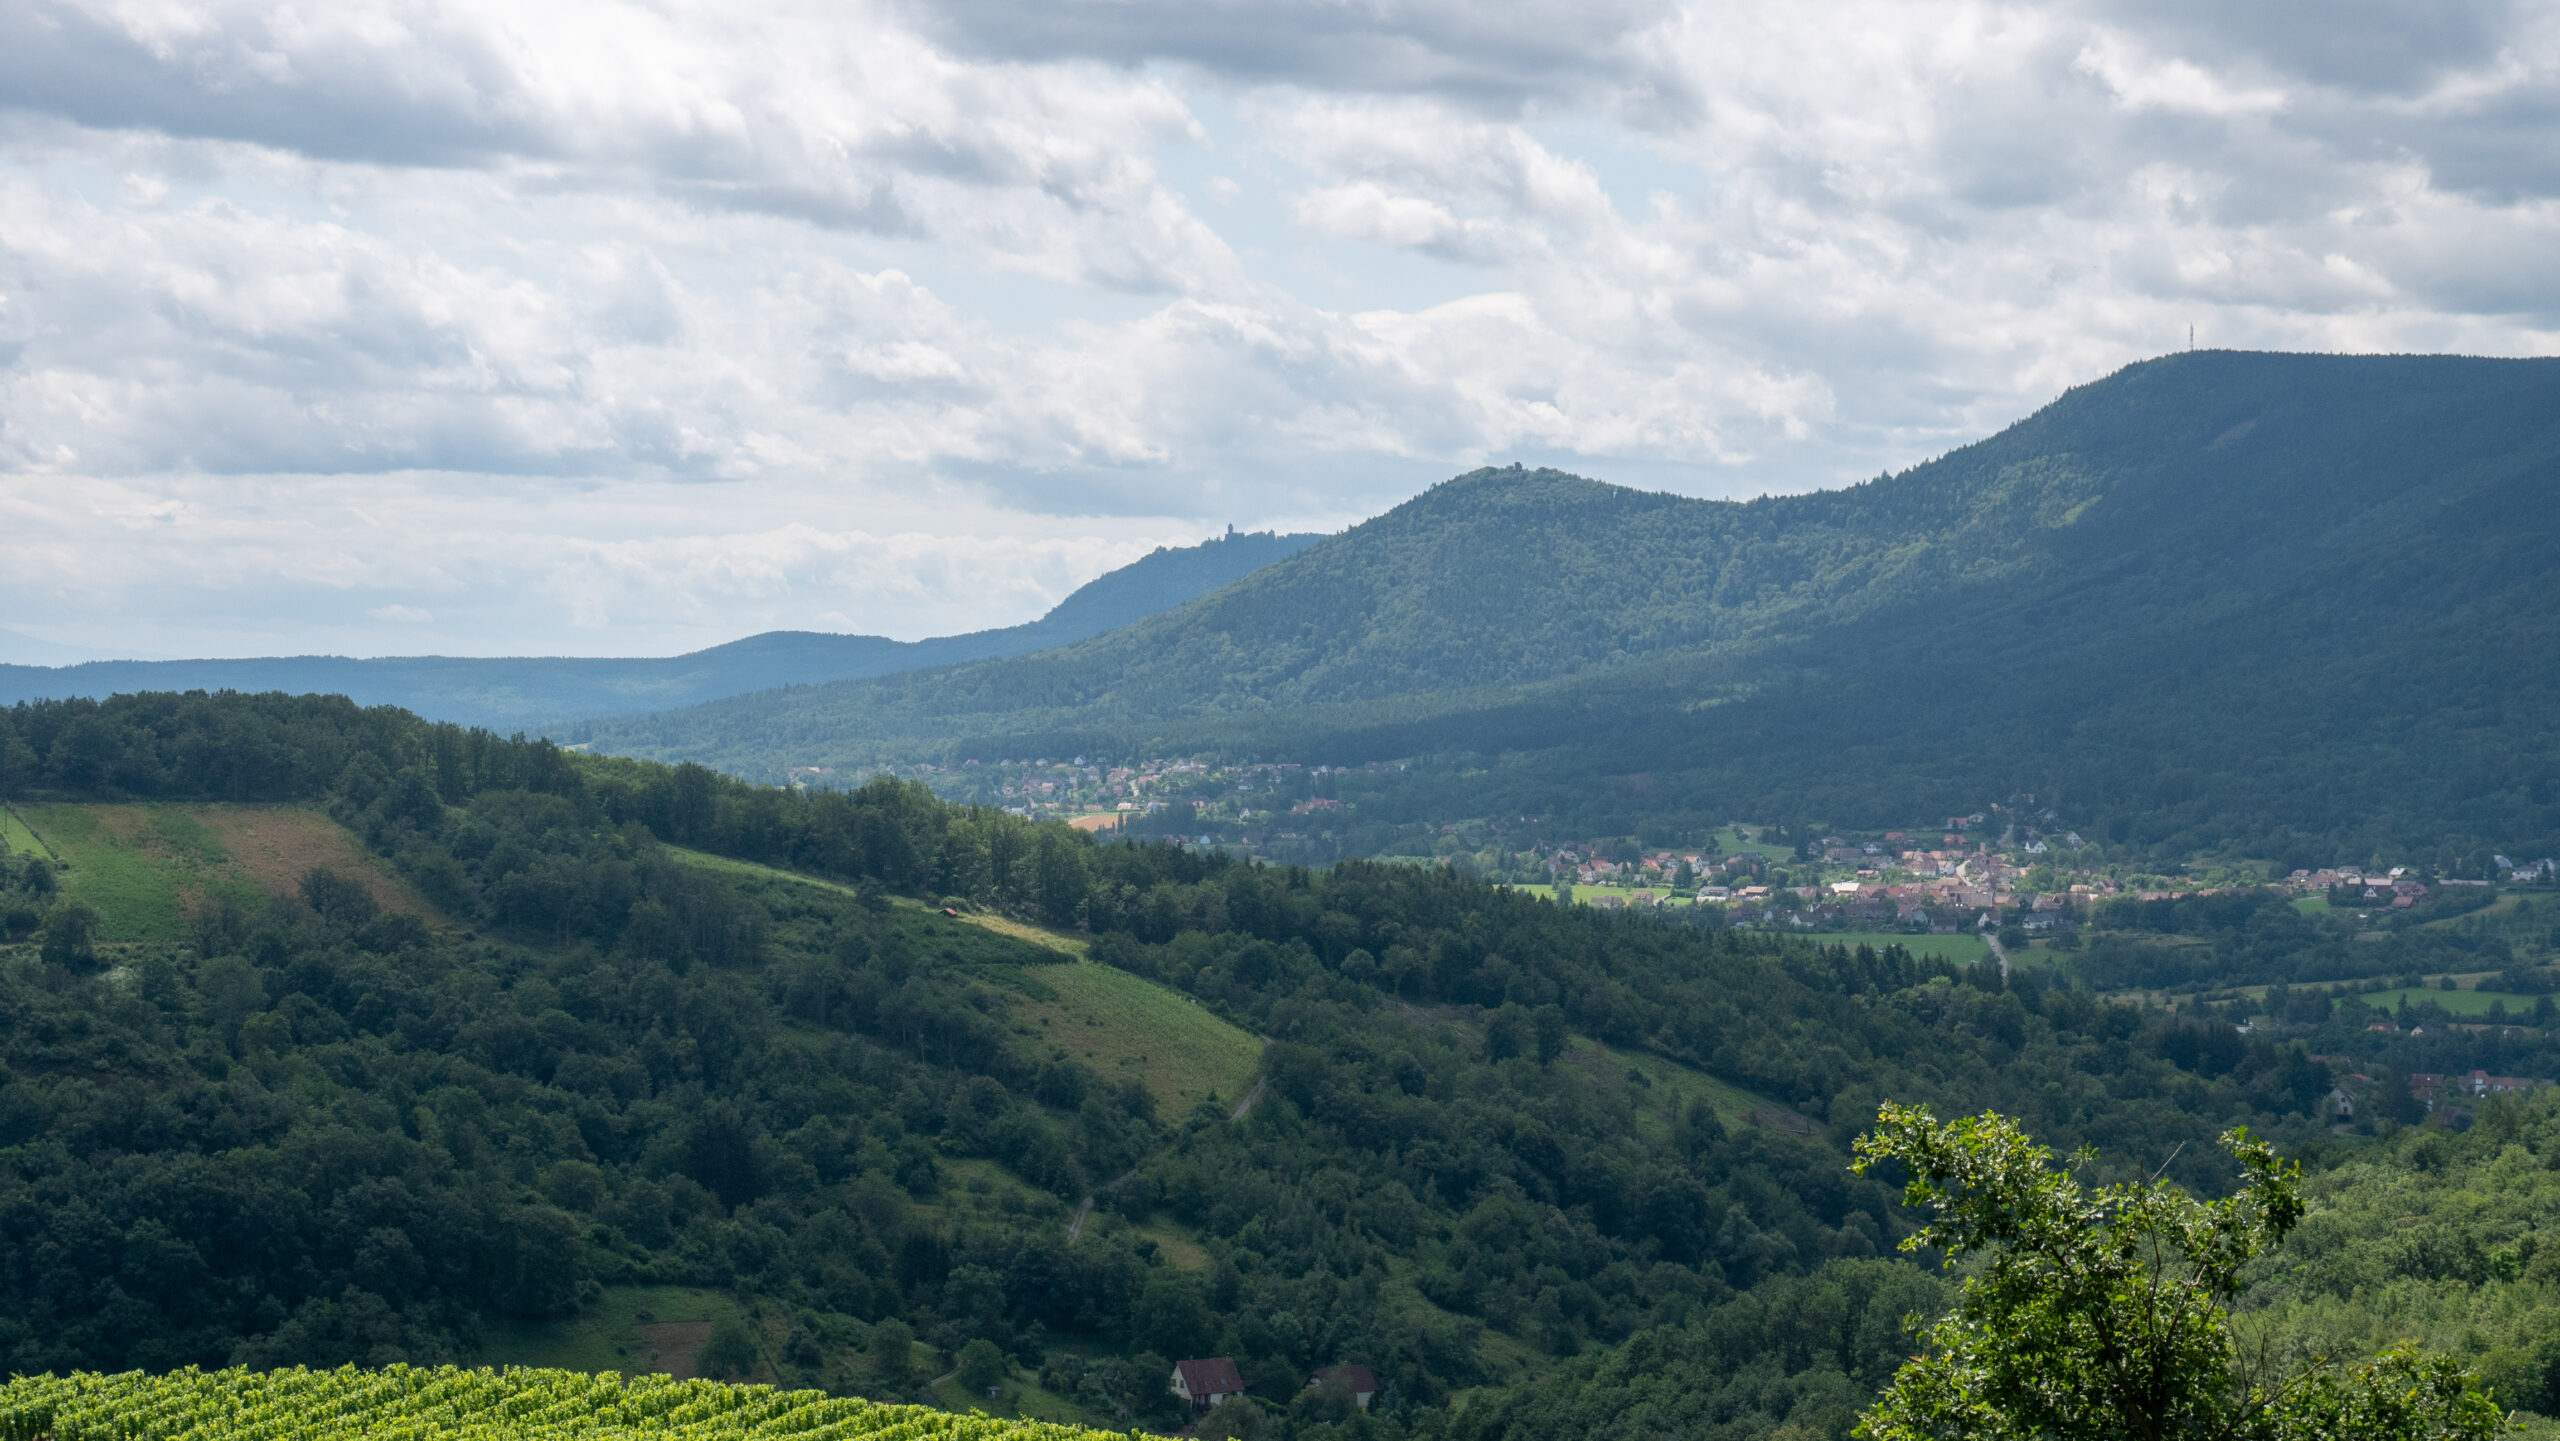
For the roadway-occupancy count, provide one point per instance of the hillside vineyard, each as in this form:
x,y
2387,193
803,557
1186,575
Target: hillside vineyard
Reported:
x,y
300,1405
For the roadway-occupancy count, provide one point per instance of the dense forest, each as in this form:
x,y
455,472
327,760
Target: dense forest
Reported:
x,y
2277,605
1535,1165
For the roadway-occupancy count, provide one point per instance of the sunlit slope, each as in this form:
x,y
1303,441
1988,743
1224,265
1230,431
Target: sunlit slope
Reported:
x,y
1123,1027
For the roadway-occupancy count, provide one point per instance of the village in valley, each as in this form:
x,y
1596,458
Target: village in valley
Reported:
x,y
2010,865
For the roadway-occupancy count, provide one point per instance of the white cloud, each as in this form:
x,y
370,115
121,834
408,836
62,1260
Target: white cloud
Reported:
x,y
606,327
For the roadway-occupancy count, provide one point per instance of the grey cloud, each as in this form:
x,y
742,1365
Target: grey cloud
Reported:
x,y
2367,47
814,126
423,99
1495,55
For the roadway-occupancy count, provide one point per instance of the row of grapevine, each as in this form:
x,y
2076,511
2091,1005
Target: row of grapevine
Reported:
x,y
447,1403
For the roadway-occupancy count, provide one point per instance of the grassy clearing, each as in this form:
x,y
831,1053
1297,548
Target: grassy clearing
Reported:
x,y
1963,950
138,889
660,1330
1733,841
142,868
977,1192
2312,905
276,846
2460,1003
1058,941
1667,1087
1177,1243
991,941
16,839
636,1330
1020,1398
1123,1025
1119,1024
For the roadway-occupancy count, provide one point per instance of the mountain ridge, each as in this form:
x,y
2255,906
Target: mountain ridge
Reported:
x,y
508,692
2238,540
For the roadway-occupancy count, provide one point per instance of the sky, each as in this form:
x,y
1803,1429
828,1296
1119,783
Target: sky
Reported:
x,y
594,328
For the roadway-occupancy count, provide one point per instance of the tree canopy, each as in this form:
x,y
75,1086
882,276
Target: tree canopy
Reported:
x,y
2105,1313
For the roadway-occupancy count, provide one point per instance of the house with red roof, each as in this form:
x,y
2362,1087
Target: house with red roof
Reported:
x,y
1205,1383
1360,1381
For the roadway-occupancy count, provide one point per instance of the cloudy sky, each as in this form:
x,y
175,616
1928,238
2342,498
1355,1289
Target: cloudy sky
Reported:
x,y
598,328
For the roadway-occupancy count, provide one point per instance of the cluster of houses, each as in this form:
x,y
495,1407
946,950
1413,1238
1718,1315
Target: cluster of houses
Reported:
x,y
2523,872
1205,1382
2430,1087
2395,887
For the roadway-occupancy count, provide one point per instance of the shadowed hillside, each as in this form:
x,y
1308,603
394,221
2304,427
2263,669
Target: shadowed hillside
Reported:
x,y
2216,596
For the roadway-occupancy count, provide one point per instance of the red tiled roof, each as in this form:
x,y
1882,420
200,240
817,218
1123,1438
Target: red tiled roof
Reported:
x,y
1360,1379
1215,1376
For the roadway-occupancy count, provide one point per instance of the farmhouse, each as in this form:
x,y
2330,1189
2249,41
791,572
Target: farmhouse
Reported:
x,y
1206,1383
1360,1381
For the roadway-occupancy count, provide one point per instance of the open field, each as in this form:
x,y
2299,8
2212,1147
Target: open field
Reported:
x,y
1668,1088
1058,941
970,938
635,1330
143,867
1123,1025
2460,1003
1021,1399
1733,843
2312,905
16,839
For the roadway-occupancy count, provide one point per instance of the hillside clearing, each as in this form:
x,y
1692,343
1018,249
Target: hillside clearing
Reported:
x,y
1121,1025
144,868
1126,1026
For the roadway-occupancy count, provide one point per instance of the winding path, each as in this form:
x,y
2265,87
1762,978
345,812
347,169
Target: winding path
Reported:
x,y
1249,1098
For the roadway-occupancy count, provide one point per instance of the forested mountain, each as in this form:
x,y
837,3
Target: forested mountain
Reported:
x,y
2292,603
651,1033
556,692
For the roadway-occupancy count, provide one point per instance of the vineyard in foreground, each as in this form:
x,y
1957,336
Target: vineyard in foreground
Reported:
x,y
418,1403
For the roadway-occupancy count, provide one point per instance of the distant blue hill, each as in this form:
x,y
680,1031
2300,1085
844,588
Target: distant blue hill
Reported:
x,y
511,693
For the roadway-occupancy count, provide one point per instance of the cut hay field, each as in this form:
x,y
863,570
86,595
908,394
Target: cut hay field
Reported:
x,y
142,868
